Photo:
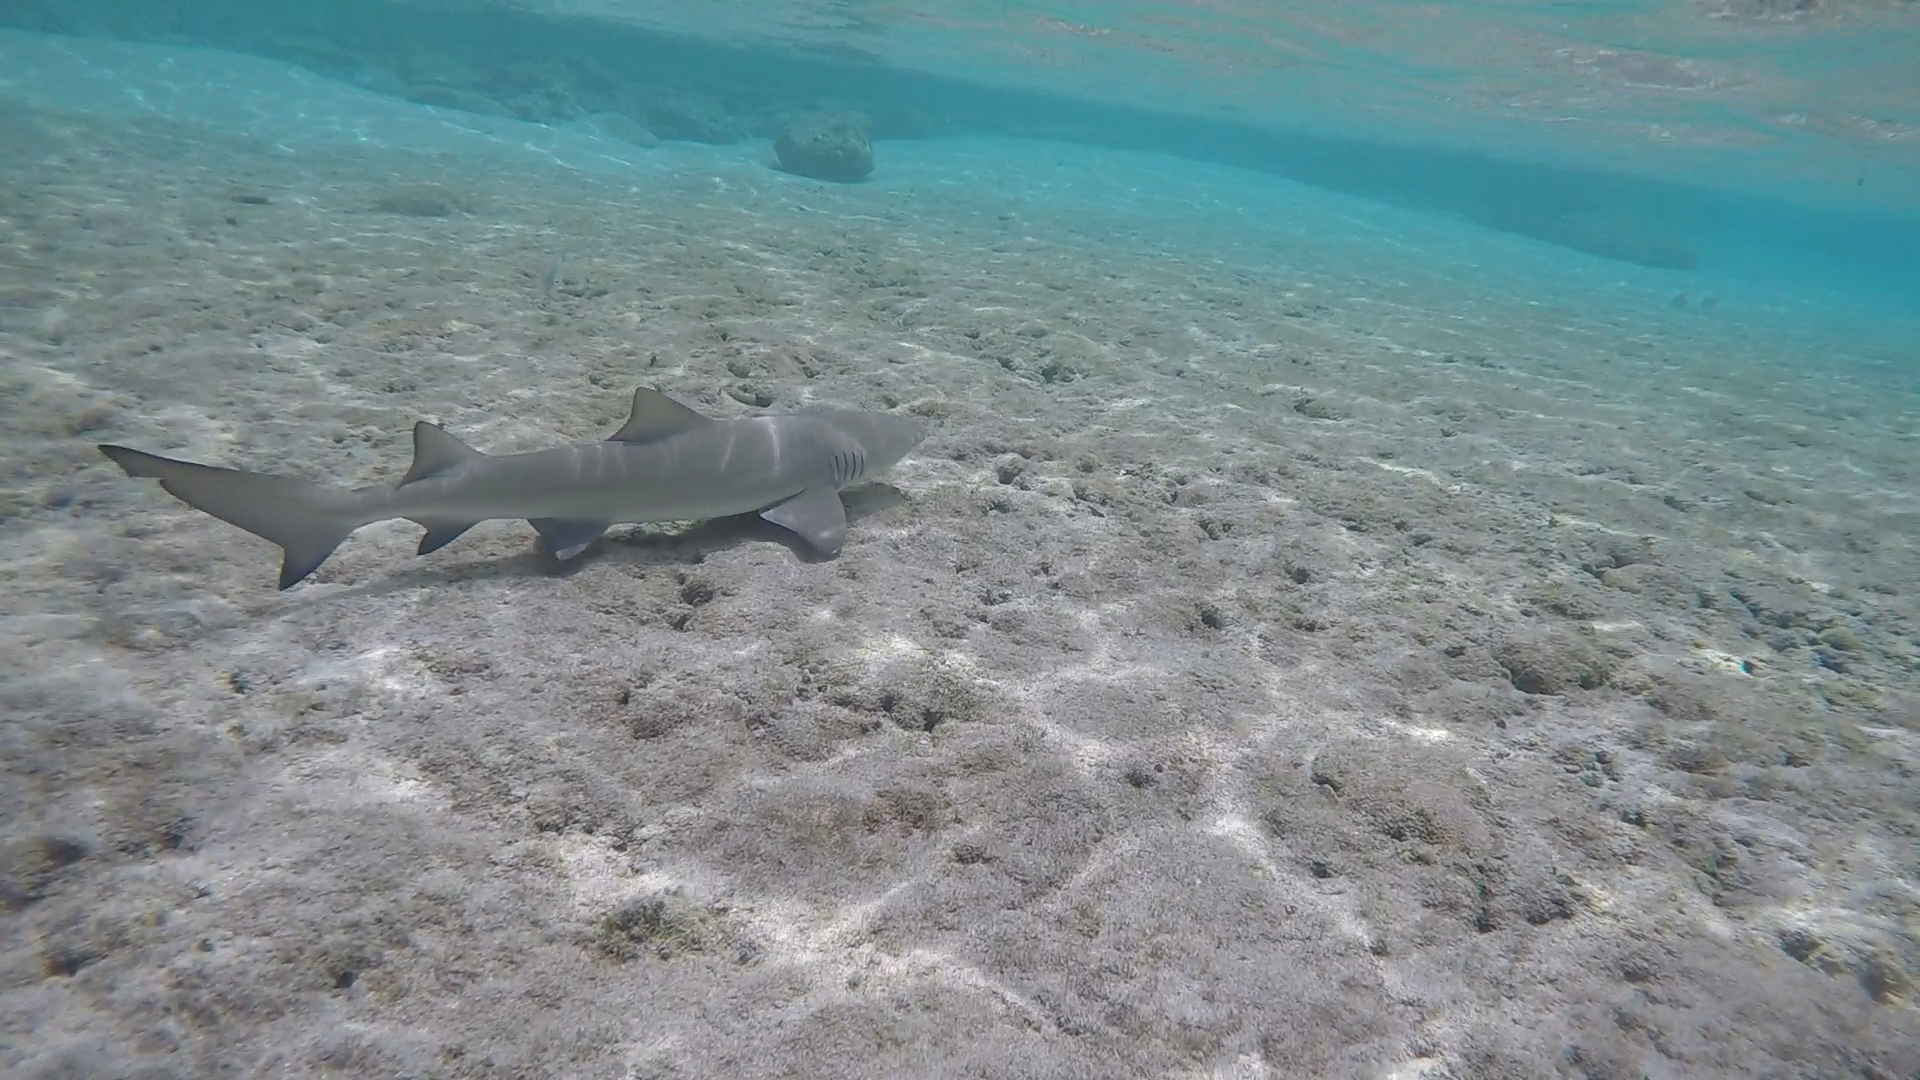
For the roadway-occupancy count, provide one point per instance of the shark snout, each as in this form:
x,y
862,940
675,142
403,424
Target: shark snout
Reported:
x,y
885,437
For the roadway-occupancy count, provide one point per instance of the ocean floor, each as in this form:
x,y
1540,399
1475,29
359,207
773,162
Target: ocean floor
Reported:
x,y
1315,640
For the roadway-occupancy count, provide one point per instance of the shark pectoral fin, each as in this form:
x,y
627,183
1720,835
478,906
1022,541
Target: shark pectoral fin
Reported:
x,y
816,515
566,537
440,533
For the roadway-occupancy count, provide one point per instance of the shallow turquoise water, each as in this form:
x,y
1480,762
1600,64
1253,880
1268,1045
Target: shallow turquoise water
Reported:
x,y
1758,150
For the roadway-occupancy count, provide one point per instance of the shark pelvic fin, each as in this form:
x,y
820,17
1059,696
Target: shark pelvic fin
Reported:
x,y
816,515
656,416
436,451
565,537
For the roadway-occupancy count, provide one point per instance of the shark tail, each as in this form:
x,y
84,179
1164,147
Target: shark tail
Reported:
x,y
307,520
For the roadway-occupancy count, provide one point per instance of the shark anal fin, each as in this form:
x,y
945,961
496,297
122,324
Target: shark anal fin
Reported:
x,y
441,533
435,450
566,537
656,416
816,515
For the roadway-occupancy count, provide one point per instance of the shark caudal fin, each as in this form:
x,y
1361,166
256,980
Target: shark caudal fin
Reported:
x,y
304,518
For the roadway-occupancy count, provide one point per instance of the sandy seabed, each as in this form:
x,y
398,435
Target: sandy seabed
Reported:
x,y
1294,653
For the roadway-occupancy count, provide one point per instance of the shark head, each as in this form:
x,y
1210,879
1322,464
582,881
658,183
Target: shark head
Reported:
x,y
886,437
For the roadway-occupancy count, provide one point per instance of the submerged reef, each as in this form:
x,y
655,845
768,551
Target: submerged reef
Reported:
x,y
826,146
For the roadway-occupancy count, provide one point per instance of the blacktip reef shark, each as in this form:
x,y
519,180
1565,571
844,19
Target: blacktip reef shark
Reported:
x,y
668,463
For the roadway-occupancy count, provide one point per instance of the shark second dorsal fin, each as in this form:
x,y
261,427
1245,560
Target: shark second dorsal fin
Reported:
x,y
436,451
656,416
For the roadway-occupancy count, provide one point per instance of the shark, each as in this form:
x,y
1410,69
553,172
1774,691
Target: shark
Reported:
x,y
668,462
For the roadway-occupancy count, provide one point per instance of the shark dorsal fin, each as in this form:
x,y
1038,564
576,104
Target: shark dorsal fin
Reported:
x,y
436,451
656,416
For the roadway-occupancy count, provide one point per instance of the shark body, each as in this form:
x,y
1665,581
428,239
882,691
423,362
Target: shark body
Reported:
x,y
668,463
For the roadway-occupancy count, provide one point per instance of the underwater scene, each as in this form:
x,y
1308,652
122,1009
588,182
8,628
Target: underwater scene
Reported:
x,y
631,540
